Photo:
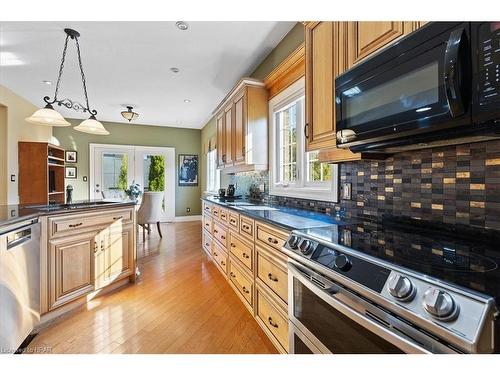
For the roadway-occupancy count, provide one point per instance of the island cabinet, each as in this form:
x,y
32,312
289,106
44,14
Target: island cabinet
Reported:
x,y
330,49
84,252
248,254
241,121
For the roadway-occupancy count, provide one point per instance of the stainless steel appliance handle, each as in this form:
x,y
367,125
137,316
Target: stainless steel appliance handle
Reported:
x,y
18,237
330,289
452,71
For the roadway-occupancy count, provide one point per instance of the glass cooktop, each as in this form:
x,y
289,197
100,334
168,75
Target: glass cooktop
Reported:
x,y
467,259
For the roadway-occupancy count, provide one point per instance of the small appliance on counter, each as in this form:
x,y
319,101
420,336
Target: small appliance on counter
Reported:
x,y
222,193
231,190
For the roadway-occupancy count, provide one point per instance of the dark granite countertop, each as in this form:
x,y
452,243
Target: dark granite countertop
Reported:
x,y
11,214
287,218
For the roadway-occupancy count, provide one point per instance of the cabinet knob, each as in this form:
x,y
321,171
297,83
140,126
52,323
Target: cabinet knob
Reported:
x,y
270,320
272,277
232,274
245,255
246,290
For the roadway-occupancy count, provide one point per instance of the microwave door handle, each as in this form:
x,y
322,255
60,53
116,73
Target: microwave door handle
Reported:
x,y
451,72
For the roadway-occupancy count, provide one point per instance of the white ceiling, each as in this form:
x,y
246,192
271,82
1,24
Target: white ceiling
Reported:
x,y
128,63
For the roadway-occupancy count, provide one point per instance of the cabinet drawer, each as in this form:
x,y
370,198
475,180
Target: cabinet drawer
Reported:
x,y
220,234
241,250
76,223
234,220
215,211
243,283
207,242
246,226
207,208
272,274
270,237
272,318
207,224
220,258
223,216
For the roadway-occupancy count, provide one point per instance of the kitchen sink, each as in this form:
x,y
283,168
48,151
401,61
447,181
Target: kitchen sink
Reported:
x,y
67,206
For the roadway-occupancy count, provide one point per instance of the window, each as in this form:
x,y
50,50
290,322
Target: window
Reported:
x,y
213,174
295,172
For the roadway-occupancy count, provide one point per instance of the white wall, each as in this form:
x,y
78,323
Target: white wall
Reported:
x,y
19,130
3,155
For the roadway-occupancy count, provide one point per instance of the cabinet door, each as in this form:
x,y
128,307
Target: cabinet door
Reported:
x,y
240,116
221,147
320,74
118,253
367,37
71,271
228,130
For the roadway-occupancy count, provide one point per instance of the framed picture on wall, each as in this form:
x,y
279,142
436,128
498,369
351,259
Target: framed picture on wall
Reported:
x,y
70,156
188,170
70,172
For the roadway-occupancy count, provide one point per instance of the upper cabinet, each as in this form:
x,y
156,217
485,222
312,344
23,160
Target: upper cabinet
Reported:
x,y
241,121
330,49
365,38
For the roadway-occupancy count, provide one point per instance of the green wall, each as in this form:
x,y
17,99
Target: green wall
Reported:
x,y
185,141
288,44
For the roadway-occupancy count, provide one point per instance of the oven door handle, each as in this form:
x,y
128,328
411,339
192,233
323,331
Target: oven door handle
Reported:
x,y
404,343
453,70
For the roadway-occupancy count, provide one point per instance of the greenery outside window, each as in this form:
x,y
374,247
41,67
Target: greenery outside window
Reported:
x,y
213,174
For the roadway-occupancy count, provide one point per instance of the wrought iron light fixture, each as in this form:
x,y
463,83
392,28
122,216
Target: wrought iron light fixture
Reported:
x,y
129,114
50,117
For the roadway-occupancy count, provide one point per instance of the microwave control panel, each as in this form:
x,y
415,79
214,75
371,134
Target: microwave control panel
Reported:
x,y
489,62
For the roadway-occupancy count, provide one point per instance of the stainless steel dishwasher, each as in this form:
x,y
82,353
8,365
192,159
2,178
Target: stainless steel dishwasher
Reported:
x,y
19,283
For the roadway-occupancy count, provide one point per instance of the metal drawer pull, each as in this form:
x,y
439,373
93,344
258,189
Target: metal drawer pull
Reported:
x,y
215,254
232,274
118,218
233,245
246,290
95,247
75,225
272,323
222,263
215,231
207,244
272,277
245,256
232,221
223,237
272,240
246,227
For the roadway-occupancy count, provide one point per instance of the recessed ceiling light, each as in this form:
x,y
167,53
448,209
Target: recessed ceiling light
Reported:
x,y
181,25
47,82
175,70
187,100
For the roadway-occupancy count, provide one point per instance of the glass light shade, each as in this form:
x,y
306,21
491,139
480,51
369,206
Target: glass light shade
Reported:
x,y
129,114
91,126
48,117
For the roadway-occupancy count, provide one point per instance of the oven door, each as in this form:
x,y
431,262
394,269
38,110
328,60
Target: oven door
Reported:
x,y
326,318
417,86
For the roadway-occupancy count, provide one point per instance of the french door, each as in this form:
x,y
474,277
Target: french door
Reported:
x,y
113,168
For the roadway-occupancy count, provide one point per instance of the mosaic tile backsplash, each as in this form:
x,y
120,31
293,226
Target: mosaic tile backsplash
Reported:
x,y
454,184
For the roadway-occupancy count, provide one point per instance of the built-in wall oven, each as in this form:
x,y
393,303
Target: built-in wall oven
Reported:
x,y
438,85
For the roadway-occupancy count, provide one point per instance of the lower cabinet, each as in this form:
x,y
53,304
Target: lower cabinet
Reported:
x,y
249,255
71,273
89,255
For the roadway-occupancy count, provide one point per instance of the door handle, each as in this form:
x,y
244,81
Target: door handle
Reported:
x,y
306,133
456,71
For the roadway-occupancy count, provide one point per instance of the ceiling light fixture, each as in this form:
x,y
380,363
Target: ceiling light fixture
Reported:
x,y
175,70
181,25
129,114
50,117
187,100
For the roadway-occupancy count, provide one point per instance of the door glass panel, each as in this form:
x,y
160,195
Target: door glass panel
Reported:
x,y
300,346
154,172
417,90
114,173
337,332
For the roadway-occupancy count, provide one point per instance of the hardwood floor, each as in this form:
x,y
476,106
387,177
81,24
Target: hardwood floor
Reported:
x,y
180,304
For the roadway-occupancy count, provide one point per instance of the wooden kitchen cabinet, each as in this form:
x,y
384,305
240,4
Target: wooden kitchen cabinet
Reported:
x,y
241,120
71,271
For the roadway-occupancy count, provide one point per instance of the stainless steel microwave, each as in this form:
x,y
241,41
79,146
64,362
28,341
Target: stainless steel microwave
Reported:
x,y
438,85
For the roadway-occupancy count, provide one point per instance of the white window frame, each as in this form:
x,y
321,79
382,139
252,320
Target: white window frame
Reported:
x,y
216,171
325,191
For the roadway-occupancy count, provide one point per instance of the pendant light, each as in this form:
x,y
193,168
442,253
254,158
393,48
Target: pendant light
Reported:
x,y
48,116
129,114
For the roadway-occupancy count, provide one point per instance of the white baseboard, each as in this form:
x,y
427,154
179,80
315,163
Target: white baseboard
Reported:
x,y
188,218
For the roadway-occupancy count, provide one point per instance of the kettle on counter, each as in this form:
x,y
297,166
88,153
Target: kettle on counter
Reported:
x,y
230,190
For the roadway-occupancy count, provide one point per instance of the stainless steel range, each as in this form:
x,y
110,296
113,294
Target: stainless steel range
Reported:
x,y
368,287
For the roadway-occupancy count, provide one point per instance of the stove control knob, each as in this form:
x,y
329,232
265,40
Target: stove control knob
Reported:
x,y
440,304
401,288
306,247
343,263
294,242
